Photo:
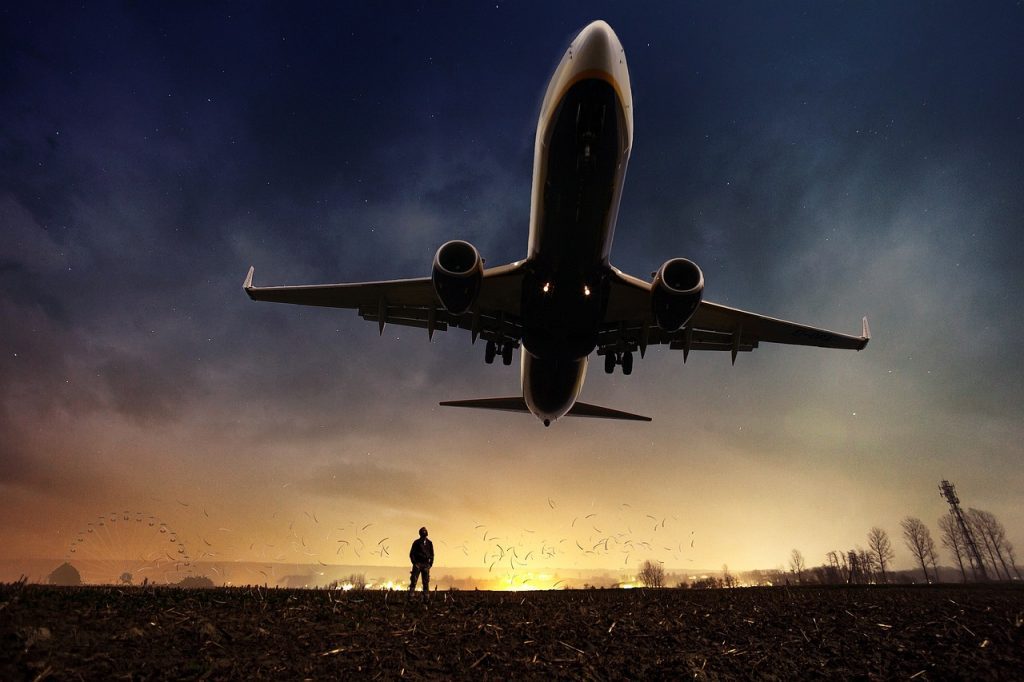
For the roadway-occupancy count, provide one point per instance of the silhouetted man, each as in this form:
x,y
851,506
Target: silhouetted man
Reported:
x,y
422,557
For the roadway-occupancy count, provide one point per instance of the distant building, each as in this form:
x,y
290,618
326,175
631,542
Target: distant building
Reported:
x,y
65,574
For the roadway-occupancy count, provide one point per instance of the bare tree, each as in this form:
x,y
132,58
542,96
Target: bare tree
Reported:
x,y
861,566
987,526
797,565
728,579
828,573
1013,559
953,540
984,546
855,576
868,564
881,547
933,560
835,571
919,541
652,574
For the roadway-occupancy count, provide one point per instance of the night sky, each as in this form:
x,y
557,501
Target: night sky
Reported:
x,y
819,161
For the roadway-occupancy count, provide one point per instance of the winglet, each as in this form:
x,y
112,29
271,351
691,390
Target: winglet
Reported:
x,y
865,333
247,285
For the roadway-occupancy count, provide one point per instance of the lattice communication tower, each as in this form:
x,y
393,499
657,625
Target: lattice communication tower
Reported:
x,y
948,491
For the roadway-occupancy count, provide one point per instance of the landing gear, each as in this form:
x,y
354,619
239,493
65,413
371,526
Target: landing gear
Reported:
x,y
625,359
492,350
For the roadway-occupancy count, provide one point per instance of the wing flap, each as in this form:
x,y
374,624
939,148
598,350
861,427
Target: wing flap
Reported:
x,y
771,330
394,292
413,302
630,325
629,300
628,339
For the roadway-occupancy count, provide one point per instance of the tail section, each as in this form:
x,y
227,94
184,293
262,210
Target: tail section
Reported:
x,y
518,404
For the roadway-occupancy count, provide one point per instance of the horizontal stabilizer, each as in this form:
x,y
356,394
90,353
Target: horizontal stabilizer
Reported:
x,y
513,404
598,412
518,404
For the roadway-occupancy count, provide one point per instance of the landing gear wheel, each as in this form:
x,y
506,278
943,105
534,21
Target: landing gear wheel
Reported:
x,y
609,363
489,352
506,354
627,363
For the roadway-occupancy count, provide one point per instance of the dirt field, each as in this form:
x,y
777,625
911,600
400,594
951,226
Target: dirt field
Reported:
x,y
867,633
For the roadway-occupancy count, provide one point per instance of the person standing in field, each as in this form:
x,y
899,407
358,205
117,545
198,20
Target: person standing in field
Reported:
x,y
422,557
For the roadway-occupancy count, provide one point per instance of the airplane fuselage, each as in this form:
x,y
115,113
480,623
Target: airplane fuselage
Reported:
x,y
564,300
584,137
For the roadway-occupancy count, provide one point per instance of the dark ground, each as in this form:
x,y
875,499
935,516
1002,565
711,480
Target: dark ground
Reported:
x,y
838,633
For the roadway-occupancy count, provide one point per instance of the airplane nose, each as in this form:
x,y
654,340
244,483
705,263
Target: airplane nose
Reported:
x,y
597,46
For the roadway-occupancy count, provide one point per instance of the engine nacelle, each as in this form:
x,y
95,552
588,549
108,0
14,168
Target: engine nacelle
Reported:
x,y
676,293
457,273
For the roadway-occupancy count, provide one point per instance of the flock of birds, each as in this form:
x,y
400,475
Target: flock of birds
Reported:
x,y
588,539
623,537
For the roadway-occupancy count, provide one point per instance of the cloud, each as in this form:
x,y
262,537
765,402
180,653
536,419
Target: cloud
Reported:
x,y
389,487
814,174
27,245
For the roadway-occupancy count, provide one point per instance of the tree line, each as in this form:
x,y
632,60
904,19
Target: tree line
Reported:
x,y
873,564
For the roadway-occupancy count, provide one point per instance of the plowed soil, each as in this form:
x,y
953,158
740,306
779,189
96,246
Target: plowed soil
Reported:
x,y
765,633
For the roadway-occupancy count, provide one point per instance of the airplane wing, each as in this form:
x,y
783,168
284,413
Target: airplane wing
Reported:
x,y
413,303
629,325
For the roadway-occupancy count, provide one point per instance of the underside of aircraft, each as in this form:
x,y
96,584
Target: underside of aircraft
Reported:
x,y
565,301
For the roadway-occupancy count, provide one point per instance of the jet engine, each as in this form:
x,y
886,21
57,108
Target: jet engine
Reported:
x,y
676,293
457,273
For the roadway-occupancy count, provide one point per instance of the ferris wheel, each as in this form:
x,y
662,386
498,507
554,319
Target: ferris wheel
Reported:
x,y
128,547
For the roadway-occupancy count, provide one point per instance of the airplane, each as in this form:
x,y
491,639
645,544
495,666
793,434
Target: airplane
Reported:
x,y
565,300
